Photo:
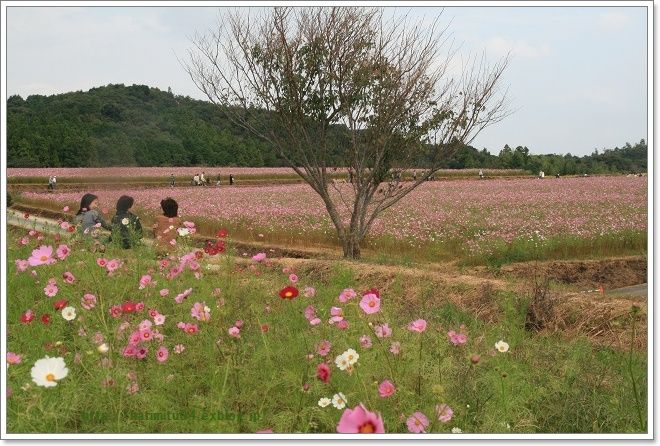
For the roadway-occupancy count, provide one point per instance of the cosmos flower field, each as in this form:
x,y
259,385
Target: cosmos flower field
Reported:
x,y
460,217
103,340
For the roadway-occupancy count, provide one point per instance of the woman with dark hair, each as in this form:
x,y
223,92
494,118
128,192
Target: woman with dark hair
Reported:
x,y
165,228
126,226
88,216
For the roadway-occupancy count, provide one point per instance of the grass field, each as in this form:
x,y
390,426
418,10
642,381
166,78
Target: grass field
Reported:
x,y
254,361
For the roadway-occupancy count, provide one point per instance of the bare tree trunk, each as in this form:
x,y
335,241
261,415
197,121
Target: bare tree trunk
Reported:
x,y
351,244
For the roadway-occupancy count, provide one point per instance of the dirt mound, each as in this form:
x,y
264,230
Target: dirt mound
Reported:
x,y
586,274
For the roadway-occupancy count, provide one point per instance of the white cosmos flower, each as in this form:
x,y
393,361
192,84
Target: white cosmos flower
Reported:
x,y
124,221
342,361
103,348
69,313
339,400
456,430
502,346
183,232
351,356
324,402
47,371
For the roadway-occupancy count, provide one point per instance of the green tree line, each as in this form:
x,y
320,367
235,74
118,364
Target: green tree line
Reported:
x,y
137,125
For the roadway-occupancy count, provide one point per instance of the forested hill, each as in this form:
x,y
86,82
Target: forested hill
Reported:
x,y
137,125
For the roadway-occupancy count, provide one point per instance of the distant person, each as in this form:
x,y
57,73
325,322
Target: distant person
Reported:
x,y
219,181
172,181
126,226
414,175
196,180
50,183
54,182
202,179
231,179
556,175
481,174
166,225
88,216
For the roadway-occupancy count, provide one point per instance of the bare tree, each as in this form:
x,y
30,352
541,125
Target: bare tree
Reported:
x,y
387,82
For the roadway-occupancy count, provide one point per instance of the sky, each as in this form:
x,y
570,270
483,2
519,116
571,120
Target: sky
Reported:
x,y
577,80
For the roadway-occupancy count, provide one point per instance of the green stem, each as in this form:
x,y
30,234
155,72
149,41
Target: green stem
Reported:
x,y
642,424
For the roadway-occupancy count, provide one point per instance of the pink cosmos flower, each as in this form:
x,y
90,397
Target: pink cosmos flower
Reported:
x,y
238,324
98,338
135,338
419,325
88,301
162,354
139,306
179,348
113,265
24,241
142,353
310,312
293,278
68,277
159,319
65,208
200,311
133,388
22,265
129,351
315,321
347,294
115,311
383,331
386,389
370,303
417,423
360,421
102,262
259,257
63,252
13,358
337,315
164,292
50,290
457,338
265,431
323,347
64,225
235,332
179,298
145,281
342,325
395,348
43,255
191,328
145,325
444,412
309,291
365,341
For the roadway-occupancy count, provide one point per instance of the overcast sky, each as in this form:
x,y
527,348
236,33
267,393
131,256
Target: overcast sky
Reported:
x,y
577,79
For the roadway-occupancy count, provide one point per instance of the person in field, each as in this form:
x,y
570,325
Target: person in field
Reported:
x,y
126,226
196,180
481,174
88,217
202,179
231,179
50,183
172,180
165,227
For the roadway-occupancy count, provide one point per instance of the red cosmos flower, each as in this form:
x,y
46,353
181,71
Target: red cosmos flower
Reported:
x,y
222,233
372,291
220,246
59,304
71,228
264,328
289,292
323,372
27,317
45,319
128,307
26,215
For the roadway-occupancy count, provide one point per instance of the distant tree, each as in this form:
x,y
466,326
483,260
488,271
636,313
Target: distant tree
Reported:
x,y
387,82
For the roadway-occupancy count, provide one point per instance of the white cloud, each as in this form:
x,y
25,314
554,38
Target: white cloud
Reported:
x,y
613,21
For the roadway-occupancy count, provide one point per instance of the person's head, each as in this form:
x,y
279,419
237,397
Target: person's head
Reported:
x,y
170,207
88,202
124,203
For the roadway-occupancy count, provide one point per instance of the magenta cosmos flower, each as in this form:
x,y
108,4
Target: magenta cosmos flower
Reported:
x,y
63,252
347,294
370,304
259,257
419,325
50,290
323,348
144,281
43,255
360,421
383,331
88,301
417,423
68,277
457,338
386,389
